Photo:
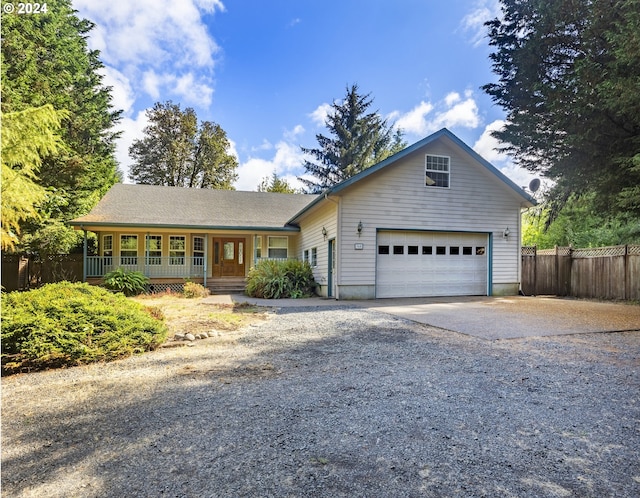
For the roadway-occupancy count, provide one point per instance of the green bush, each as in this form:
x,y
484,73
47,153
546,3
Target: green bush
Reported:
x,y
66,324
271,279
193,290
130,283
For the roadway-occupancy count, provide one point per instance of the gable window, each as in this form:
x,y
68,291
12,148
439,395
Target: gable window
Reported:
x,y
314,256
437,171
178,248
128,250
154,249
278,247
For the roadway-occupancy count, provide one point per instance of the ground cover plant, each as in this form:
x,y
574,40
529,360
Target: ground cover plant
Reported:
x,y
67,324
271,279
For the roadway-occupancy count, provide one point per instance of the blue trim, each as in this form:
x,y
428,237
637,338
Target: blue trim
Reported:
x,y
490,266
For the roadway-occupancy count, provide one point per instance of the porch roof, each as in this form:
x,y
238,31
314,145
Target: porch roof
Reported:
x,y
128,205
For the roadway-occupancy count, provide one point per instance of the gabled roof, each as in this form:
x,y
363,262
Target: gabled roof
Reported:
x,y
527,200
129,205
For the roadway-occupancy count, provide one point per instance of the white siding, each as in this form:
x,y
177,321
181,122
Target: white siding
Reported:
x,y
396,198
325,215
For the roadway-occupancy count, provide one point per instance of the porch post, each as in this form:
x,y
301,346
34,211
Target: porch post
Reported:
x,y
206,258
84,256
146,254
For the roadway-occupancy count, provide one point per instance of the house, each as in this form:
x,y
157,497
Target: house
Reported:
x,y
435,219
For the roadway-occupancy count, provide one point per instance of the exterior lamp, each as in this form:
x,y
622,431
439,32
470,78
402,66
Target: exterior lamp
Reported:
x,y
506,233
324,233
359,228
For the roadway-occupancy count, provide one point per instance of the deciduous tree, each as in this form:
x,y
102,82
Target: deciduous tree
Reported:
x,y
175,151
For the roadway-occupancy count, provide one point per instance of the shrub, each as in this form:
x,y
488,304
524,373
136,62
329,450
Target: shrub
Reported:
x,y
193,290
66,324
271,279
130,283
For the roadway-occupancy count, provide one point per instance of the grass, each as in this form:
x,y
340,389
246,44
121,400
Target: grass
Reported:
x,y
197,315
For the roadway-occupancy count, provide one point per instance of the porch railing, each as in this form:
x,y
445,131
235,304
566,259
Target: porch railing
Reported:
x,y
151,266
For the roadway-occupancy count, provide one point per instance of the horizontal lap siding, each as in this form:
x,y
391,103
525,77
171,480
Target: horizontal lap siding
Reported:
x,y
311,236
396,198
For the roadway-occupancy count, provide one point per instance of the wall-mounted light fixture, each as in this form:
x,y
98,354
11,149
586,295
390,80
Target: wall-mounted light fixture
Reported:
x,y
324,233
359,228
505,233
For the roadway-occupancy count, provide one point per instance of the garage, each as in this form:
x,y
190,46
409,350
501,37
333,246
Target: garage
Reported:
x,y
422,264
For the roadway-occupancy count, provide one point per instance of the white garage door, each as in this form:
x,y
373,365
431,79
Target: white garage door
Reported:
x,y
420,264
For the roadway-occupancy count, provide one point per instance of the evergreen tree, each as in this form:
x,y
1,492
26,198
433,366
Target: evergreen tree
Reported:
x,y
176,152
274,183
569,80
360,140
45,60
27,137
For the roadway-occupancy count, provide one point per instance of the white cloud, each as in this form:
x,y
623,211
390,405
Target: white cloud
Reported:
x,y
473,22
286,162
415,121
121,91
451,112
151,32
132,129
319,116
488,147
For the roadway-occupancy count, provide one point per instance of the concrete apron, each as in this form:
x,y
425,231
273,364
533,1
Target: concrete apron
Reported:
x,y
489,318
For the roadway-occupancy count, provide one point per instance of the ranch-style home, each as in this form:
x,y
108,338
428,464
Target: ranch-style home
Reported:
x,y
435,219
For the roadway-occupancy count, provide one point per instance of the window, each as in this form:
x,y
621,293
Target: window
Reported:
x,y
258,246
412,250
178,249
107,246
440,250
128,250
427,250
305,255
467,251
398,249
314,256
278,247
437,171
198,251
479,251
383,249
154,249
454,250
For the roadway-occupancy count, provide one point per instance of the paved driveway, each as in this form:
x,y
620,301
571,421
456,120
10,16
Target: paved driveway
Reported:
x,y
492,318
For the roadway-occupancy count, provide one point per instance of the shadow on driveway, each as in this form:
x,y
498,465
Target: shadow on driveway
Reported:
x,y
490,318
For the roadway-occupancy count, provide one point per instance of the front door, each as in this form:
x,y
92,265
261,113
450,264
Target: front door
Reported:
x,y
228,257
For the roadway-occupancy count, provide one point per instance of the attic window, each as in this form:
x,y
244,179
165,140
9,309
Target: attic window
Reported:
x,y
437,171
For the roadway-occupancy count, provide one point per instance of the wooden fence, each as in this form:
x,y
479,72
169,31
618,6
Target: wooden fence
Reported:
x,y
20,272
601,273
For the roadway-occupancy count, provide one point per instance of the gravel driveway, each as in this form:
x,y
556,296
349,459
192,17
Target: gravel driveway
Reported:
x,y
334,402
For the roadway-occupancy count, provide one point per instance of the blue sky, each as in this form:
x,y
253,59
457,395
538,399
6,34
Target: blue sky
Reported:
x,y
267,70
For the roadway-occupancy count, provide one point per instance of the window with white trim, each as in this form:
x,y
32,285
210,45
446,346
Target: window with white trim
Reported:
x,y
198,251
314,256
154,249
437,171
107,246
305,256
178,249
278,247
128,250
